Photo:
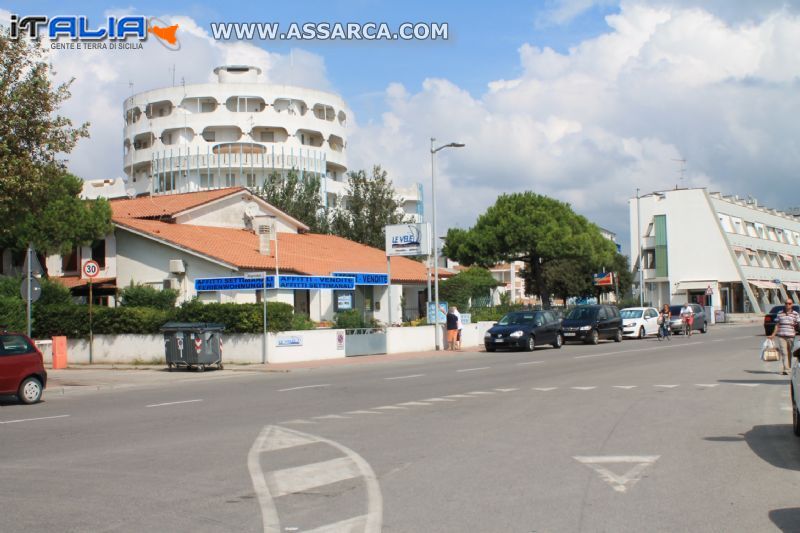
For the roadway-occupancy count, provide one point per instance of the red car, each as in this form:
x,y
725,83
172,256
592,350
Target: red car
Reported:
x,y
21,368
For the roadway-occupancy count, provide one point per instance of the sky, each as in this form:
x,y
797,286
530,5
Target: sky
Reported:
x,y
581,100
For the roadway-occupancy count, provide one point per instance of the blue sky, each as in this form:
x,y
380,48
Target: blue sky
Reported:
x,y
482,47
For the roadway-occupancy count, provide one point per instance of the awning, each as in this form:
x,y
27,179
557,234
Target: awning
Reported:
x,y
761,284
787,257
792,285
738,249
751,252
694,285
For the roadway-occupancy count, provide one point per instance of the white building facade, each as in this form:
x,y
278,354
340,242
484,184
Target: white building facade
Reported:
x,y
237,132
721,251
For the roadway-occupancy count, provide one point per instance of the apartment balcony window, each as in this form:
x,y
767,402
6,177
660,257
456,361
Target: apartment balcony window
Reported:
x,y
725,221
290,106
99,252
324,112
210,136
250,180
143,141
158,109
751,229
132,116
309,138
245,104
69,262
199,105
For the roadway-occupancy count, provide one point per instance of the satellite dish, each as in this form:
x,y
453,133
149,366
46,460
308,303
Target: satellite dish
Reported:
x,y
131,192
251,210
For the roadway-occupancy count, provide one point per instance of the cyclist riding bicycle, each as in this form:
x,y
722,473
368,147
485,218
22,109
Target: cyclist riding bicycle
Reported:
x,y
664,330
687,314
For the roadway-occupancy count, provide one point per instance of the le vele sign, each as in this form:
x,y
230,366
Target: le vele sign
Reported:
x,y
408,239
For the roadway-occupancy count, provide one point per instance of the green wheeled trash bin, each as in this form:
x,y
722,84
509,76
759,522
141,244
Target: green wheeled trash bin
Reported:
x,y
194,345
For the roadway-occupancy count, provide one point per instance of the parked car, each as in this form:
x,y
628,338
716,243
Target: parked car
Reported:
x,y
526,330
590,323
795,391
21,368
769,318
639,322
676,322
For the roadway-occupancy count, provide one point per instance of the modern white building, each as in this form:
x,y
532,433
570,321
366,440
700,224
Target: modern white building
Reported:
x,y
235,133
722,251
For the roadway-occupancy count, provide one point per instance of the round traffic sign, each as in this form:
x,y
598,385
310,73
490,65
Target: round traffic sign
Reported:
x,y
36,289
91,269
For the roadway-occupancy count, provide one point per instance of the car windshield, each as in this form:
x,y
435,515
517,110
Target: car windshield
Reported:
x,y
582,313
631,313
514,319
778,308
675,310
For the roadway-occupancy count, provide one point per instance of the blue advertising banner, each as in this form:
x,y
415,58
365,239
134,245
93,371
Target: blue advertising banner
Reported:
x,y
232,284
317,282
442,312
364,278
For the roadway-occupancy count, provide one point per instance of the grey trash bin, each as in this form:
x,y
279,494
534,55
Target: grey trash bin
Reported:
x,y
194,345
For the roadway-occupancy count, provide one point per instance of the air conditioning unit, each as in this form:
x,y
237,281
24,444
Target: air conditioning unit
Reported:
x,y
176,266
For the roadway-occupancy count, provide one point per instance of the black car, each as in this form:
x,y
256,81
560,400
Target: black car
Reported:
x,y
526,330
769,318
590,323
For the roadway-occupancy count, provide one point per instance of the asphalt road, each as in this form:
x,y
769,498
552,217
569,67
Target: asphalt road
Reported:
x,y
688,435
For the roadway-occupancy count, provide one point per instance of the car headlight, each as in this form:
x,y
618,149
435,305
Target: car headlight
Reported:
x,y
517,334
585,328
487,335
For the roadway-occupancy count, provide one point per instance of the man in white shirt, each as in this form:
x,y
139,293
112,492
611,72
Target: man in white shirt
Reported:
x,y
460,327
687,314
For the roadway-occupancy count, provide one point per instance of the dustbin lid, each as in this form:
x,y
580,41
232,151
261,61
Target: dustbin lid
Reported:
x,y
192,326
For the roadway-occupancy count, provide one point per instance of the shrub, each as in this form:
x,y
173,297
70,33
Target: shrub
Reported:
x,y
138,320
301,322
238,318
147,296
353,319
70,320
12,313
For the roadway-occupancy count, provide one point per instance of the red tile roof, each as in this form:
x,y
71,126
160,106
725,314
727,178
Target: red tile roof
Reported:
x,y
72,282
307,253
167,205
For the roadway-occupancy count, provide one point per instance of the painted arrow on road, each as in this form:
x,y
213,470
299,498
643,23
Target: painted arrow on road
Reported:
x,y
619,483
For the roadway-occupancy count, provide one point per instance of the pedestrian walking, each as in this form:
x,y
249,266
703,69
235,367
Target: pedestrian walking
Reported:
x,y
459,328
785,330
664,329
452,329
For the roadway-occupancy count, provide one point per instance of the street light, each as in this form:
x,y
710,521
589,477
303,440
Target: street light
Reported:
x,y
641,252
435,243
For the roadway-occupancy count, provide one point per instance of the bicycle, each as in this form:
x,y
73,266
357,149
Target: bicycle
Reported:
x,y
686,328
664,331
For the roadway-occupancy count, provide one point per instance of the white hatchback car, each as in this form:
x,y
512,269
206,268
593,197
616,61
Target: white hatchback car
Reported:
x,y
639,322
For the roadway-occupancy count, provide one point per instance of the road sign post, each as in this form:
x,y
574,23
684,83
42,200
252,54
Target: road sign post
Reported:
x,y
263,277
91,269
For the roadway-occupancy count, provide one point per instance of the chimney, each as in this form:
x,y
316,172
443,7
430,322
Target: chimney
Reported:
x,y
264,228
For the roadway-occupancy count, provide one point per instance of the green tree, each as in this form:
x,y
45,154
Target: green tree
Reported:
x,y
532,228
475,282
147,296
370,205
38,200
299,198
568,277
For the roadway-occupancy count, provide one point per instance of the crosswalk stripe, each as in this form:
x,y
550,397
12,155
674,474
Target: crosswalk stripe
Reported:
x,y
413,403
747,384
362,412
583,388
544,389
506,390
706,384
458,396
484,392
302,478
626,387
666,386
439,400
329,417
389,407
299,421
357,523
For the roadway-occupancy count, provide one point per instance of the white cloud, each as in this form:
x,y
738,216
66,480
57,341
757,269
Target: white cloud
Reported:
x,y
591,125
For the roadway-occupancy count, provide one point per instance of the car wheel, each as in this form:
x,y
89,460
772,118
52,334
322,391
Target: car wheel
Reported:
x,y
559,342
594,337
531,344
795,417
704,329
641,332
618,336
30,391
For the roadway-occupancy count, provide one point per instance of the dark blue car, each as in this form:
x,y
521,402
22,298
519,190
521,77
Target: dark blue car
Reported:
x,y
525,330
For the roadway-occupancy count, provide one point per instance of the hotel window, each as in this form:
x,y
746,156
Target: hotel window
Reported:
x,y
725,220
788,237
230,180
762,232
751,229
166,138
649,231
741,258
250,180
207,107
205,180
771,232
267,136
738,225
209,136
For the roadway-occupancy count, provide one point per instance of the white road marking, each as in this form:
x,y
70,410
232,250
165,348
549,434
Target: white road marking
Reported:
x,y
389,407
305,387
299,421
405,377
746,384
32,419
706,384
480,392
362,412
626,387
666,386
302,478
506,390
329,417
173,403
439,400
619,483
637,350
583,388
458,396
413,403
544,389
717,340
531,363
786,408
473,369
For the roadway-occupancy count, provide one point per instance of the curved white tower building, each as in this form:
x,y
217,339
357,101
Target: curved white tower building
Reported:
x,y
232,133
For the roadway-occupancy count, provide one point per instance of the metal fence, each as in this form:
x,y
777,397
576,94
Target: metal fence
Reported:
x,y
365,341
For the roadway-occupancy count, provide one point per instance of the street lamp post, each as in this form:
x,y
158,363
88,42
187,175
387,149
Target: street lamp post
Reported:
x,y
641,252
435,238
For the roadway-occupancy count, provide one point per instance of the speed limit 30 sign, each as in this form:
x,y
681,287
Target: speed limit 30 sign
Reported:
x,y
91,269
